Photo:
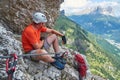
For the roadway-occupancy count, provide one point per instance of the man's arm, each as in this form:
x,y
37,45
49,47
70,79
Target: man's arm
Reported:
x,y
54,32
57,33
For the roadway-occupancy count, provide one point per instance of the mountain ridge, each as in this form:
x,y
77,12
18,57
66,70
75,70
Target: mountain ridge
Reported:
x,y
100,59
106,26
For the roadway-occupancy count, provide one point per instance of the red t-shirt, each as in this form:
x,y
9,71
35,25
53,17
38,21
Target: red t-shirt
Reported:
x,y
30,36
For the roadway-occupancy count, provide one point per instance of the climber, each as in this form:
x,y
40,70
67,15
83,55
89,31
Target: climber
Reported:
x,y
33,43
81,64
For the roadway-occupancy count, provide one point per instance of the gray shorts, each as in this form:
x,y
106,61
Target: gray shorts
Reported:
x,y
46,45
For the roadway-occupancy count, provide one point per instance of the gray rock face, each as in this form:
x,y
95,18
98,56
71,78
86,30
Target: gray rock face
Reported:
x,y
17,13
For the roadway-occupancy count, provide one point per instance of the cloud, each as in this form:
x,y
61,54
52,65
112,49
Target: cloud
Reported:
x,y
72,6
74,3
76,7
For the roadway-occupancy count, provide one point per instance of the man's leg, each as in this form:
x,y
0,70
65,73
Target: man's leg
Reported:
x,y
45,58
53,39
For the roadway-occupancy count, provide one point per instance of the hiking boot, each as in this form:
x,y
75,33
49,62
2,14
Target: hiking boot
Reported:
x,y
60,59
58,65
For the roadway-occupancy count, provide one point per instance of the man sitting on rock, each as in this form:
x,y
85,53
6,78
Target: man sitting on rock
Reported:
x,y
33,43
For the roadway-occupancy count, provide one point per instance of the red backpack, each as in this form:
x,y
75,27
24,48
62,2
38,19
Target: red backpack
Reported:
x,y
82,67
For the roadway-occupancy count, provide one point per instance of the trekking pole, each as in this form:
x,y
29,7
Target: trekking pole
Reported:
x,y
24,55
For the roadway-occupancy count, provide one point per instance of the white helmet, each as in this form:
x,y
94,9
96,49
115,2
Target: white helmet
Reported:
x,y
39,17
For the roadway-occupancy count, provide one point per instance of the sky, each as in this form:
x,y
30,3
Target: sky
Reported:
x,y
74,7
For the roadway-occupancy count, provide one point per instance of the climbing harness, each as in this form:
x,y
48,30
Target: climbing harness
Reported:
x,y
11,63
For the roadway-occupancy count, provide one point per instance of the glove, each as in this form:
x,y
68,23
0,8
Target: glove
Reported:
x,y
64,39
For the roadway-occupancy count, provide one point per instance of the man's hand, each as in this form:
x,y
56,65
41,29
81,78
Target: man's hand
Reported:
x,y
42,38
64,40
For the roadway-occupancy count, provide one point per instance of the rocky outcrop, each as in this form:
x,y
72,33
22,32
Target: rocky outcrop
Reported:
x,y
29,70
17,13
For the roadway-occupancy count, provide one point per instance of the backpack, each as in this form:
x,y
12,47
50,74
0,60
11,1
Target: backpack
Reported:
x,y
81,65
59,61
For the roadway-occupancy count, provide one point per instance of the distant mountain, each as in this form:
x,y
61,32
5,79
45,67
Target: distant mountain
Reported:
x,y
106,11
97,23
101,55
105,8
